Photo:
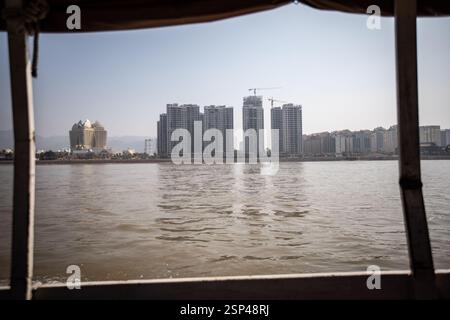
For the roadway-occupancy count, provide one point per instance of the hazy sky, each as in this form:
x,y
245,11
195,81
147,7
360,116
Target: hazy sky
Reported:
x,y
341,72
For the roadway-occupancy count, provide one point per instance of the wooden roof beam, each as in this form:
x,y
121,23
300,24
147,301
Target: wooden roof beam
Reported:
x,y
24,155
419,248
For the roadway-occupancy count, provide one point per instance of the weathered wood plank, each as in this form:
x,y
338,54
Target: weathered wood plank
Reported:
x,y
343,286
421,260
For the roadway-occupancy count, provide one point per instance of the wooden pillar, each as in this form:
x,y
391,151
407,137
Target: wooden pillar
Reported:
x,y
24,156
420,255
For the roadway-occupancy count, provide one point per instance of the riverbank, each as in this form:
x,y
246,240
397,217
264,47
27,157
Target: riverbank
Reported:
x,y
305,159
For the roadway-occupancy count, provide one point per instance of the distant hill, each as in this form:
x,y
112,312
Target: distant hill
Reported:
x,y
62,142
6,139
52,143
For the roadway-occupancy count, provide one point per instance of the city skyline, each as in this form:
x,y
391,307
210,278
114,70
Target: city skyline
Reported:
x,y
351,85
288,120
6,136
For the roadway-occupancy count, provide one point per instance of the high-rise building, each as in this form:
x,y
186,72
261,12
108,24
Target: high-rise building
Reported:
x,y
181,117
390,141
253,118
192,114
377,140
292,129
87,136
445,137
430,134
149,146
176,119
343,142
361,141
320,144
276,120
312,145
162,135
288,120
220,118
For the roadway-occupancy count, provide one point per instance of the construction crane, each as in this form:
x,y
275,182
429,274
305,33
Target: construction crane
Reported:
x,y
254,89
272,100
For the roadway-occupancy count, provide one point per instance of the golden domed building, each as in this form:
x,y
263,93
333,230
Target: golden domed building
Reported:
x,y
86,136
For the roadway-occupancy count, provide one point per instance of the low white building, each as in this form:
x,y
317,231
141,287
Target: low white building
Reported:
x,y
430,134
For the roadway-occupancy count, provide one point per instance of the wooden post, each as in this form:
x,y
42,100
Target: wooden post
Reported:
x,y
24,157
420,255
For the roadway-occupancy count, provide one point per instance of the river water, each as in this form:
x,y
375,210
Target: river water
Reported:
x,y
133,221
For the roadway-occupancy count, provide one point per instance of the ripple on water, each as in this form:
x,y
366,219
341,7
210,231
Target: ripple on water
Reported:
x,y
161,220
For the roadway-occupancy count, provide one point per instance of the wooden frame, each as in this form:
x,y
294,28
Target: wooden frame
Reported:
x,y
344,285
421,282
24,156
419,248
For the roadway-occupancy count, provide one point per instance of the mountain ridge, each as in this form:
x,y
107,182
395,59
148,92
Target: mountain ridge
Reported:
x,y
54,143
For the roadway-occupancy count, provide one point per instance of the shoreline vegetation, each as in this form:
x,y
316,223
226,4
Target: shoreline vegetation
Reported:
x,y
159,160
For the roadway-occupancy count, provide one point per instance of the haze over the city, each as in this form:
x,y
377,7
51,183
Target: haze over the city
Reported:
x,y
341,72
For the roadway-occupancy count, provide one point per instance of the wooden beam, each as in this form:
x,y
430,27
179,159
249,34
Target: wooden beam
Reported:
x,y
420,255
342,286
24,157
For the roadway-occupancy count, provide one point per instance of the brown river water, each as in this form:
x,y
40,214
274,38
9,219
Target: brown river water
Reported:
x,y
144,221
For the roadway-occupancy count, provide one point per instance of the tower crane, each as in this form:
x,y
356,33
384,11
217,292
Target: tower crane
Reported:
x,y
272,100
255,89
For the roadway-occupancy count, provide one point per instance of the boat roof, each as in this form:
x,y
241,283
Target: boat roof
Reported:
x,y
110,15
